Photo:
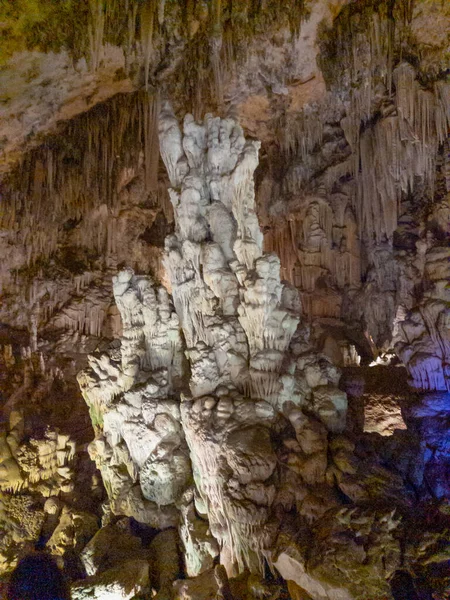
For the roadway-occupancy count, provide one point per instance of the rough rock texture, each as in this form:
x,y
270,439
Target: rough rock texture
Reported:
x,y
40,484
273,478
221,424
139,443
124,582
377,397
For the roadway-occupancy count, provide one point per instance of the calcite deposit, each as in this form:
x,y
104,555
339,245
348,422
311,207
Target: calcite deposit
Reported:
x,y
224,297
243,439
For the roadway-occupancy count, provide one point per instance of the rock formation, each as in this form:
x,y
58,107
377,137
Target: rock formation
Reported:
x,y
139,448
258,408
224,296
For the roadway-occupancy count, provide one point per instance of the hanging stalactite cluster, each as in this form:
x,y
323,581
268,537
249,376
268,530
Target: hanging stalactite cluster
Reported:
x,y
79,170
393,124
212,36
371,144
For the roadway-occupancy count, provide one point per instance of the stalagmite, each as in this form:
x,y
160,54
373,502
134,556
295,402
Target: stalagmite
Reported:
x,y
134,411
211,168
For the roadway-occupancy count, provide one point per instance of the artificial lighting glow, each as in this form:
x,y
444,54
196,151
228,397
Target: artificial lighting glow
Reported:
x,y
383,360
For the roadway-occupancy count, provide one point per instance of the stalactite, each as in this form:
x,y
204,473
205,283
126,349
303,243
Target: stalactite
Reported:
x,y
96,31
79,171
147,29
131,10
150,108
300,134
216,47
161,11
219,34
395,150
442,92
405,84
391,149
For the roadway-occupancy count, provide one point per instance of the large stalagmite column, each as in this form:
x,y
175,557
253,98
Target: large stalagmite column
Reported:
x,y
238,321
237,317
253,377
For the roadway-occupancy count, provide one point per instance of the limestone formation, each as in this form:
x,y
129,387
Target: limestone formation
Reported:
x,y
123,582
258,406
130,396
258,410
238,321
39,456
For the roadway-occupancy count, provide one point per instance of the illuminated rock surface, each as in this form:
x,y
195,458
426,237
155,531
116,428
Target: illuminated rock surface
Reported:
x,y
224,297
